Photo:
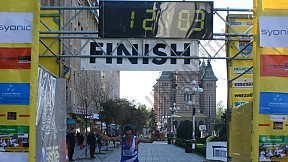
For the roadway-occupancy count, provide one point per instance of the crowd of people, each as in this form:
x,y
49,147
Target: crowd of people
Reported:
x,y
267,154
13,143
93,142
129,142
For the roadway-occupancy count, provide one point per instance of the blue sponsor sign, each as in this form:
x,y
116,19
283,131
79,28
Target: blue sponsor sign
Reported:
x,y
273,103
14,93
71,121
247,52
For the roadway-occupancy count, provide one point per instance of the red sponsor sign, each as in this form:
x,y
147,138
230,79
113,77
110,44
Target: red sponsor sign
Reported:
x,y
15,58
274,65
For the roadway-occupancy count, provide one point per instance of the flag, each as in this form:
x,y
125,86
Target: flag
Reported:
x,y
67,73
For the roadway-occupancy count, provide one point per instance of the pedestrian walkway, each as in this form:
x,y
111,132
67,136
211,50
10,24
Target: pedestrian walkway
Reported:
x,y
159,151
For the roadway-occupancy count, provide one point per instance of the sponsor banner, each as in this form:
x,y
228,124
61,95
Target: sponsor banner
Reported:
x,y
216,151
4,129
243,95
273,31
241,83
50,21
7,156
240,96
239,103
15,93
71,121
273,103
273,148
247,51
14,138
278,117
240,70
274,65
125,49
16,27
15,58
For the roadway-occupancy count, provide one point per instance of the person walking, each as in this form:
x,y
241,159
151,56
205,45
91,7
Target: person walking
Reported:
x,y
81,141
129,142
91,140
71,140
77,138
99,142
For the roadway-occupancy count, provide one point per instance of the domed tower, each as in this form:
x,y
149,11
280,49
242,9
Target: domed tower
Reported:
x,y
163,95
208,97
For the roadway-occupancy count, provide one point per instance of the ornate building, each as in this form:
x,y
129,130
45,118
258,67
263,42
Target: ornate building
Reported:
x,y
170,89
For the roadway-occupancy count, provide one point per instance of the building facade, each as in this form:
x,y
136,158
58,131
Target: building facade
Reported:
x,y
85,90
170,88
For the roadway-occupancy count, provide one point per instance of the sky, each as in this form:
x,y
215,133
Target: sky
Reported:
x,y
138,85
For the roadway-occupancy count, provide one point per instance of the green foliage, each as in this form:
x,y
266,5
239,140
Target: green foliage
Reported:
x,y
152,120
203,140
122,112
185,130
180,142
200,148
210,138
220,121
220,138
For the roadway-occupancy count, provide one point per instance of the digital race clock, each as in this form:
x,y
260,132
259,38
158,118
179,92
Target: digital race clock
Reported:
x,y
156,19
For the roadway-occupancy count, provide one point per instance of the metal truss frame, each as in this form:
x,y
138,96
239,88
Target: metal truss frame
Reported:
x,y
219,39
93,35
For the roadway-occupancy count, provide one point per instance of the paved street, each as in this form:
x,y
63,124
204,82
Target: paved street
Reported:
x,y
156,152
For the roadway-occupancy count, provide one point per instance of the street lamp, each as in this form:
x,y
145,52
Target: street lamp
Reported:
x,y
190,94
173,110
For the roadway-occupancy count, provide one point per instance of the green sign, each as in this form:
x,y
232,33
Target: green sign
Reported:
x,y
264,139
273,148
11,129
71,121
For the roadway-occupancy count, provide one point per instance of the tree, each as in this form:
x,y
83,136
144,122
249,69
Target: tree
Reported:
x,y
185,130
122,112
220,121
152,121
112,112
101,92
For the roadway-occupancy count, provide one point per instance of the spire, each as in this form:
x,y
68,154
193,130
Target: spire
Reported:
x,y
209,73
165,75
202,68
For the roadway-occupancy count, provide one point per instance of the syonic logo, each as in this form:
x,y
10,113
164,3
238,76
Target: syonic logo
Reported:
x,y
274,32
16,27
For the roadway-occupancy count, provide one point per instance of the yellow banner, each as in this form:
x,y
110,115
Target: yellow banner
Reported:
x,y
19,48
50,21
270,84
239,49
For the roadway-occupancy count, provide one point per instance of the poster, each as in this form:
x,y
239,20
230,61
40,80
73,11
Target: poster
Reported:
x,y
14,138
273,148
14,93
15,58
273,103
274,65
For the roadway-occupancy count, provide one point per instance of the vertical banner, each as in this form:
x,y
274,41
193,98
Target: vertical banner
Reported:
x,y
50,123
50,21
269,135
241,89
239,72
19,48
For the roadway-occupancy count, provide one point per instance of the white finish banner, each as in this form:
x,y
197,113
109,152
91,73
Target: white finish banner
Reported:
x,y
16,27
216,151
273,31
147,55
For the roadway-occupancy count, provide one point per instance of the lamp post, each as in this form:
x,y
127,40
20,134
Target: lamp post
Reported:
x,y
173,110
190,94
